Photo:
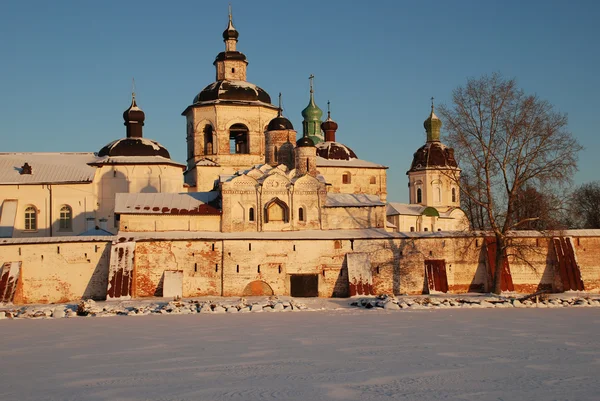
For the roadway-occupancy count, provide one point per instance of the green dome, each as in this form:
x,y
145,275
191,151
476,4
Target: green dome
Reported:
x,y
312,112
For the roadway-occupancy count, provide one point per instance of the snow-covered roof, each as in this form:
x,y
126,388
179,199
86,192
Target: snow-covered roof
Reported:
x,y
47,168
135,160
94,232
353,200
407,209
396,208
207,162
167,203
322,162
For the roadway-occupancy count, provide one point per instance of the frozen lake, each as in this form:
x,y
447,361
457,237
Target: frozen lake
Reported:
x,y
476,354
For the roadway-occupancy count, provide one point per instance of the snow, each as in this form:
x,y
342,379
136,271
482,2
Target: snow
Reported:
x,y
334,354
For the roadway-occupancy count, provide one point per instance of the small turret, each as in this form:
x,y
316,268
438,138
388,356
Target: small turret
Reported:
x,y
312,114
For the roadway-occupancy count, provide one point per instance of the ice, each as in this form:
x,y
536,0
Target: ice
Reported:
x,y
349,353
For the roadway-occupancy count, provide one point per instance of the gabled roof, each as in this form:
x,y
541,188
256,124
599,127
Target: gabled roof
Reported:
x,y
353,200
47,168
203,203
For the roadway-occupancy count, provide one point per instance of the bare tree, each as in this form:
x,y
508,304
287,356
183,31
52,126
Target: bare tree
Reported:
x,y
585,206
506,141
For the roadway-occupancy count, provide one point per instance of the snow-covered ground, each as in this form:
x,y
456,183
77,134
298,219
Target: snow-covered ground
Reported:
x,y
332,354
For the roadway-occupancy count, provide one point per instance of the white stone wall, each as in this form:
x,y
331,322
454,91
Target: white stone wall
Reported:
x,y
372,181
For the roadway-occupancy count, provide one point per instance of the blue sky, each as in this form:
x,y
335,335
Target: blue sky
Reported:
x,y
66,66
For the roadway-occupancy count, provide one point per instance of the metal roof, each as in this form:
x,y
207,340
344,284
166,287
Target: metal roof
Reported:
x,y
168,203
47,168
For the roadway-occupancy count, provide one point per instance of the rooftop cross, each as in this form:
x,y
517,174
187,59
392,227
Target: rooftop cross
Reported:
x,y
311,82
432,104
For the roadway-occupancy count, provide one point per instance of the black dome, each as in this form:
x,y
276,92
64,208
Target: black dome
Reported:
x,y
305,142
433,154
134,147
240,91
279,123
335,151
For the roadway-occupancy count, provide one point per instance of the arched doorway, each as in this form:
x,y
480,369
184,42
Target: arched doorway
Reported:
x,y
257,288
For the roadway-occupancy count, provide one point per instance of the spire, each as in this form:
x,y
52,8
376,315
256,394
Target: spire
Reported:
x,y
280,109
329,126
311,126
134,117
432,126
230,35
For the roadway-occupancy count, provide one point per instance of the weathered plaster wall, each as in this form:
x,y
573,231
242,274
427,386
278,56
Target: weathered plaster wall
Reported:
x,y
370,181
80,197
59,272
344,218
200,261
166,222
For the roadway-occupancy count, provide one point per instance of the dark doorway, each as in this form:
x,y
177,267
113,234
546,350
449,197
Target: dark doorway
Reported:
x,y
435,272
304,285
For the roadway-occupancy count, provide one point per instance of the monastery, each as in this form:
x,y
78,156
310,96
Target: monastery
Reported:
x,y
255,210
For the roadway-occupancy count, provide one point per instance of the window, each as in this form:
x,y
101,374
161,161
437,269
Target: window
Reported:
x,y
251,214
238,139
65,218
233,70
453,194
301,214
208,140
373,180
30,218
346,178
426,229
276,210
419,195
412,229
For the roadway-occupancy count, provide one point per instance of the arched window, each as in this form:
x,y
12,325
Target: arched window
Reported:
x,y
453,195
276,210
301,214
208,140
373,180
419,195
30,218
412,229
426,229
65,218
346,178
251,214
438,194
238,139
275,155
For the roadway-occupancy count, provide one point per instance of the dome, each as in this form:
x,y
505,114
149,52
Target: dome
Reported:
x,y
230,32
240,91
134,114
279,123
329,125
312,112
433,155
335,151
305,142
134,147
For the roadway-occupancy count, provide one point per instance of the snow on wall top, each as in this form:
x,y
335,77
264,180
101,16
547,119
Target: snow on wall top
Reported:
x,y
47,168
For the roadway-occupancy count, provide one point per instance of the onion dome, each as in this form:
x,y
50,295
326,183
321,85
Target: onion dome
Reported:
x,y
312,112
433,154
432,126
335,151
230,33
234,91
133,115
329,126
279,122
304,142
134,144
